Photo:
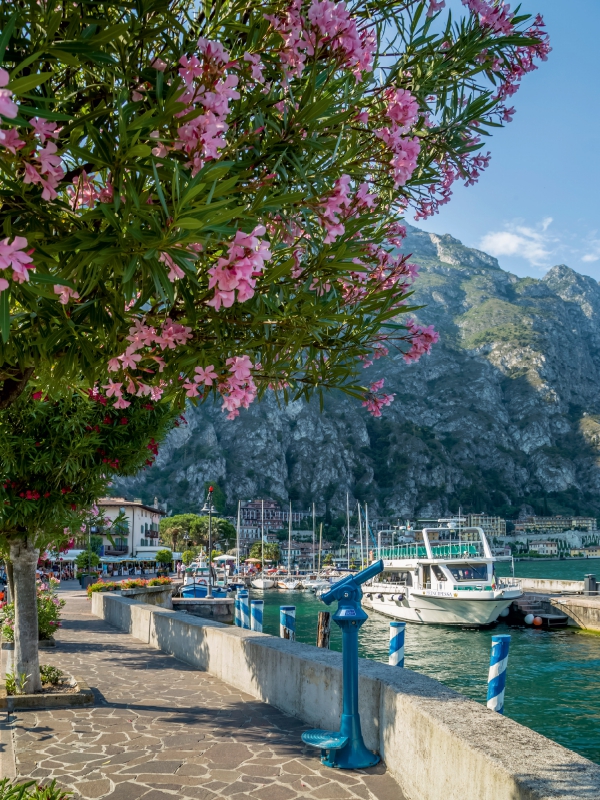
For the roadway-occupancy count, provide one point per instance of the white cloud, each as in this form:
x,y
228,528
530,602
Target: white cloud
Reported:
x,y
593,249
533,244
590,257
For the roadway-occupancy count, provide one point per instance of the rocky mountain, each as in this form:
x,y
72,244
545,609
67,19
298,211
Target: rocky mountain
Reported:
x,y
504,413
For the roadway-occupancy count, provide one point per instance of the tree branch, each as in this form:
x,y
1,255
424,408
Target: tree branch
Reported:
x,y
13,387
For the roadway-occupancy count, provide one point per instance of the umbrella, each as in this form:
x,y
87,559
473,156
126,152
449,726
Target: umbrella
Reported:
x,y
253,560
224,558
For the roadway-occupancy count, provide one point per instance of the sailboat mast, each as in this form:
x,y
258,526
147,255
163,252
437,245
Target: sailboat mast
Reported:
x,y
262,534
320,545
348,524
367,532
289,564
237,538
313,545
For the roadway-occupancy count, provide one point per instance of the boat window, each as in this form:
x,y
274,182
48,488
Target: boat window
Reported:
x,y
438,573
404,578
468,572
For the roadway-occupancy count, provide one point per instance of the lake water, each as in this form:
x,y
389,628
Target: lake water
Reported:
x,y
552,680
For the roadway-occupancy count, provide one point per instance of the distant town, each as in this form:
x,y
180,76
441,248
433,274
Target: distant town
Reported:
x,y
135,538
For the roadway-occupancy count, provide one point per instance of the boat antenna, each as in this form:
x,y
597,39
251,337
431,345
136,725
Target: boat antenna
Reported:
x,y
348,524
289,564
237,538
313,546
367,533
262,535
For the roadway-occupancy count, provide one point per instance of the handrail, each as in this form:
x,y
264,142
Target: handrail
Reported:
x,y
446,550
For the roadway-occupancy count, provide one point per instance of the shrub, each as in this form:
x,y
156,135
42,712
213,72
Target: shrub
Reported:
x,y
102,586
50,674
49,608
87,560
11,790
134,583
164,557
159,581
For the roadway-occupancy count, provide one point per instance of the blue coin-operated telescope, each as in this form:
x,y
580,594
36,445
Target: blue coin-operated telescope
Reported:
x,y
345,749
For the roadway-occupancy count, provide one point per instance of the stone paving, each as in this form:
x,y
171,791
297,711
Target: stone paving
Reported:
x,y
161,729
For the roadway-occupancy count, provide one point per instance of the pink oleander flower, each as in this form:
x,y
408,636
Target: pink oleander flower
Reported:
x,y
205,375
66,293
374,402
44,129
9,138
14,255
337,27
256,69
435,6
113,389
175,270
159,64
421,339
8,107
83,193
122,403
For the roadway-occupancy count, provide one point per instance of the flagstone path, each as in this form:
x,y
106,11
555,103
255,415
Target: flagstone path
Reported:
x,y
161,729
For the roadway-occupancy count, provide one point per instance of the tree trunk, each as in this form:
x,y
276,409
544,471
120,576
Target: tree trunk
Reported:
x,y
24,558
11,582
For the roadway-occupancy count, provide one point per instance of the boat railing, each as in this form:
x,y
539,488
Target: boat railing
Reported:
x,y
455,550
508,583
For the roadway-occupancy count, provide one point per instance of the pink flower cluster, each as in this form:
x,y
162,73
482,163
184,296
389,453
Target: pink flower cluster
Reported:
x,y
238,271
48,172
84,192
374,402
339,30
208,92
495,16
340,203
145,338
8,107
239,389
402,111
335,28
66,293
297,42
14,255
470,167
421,340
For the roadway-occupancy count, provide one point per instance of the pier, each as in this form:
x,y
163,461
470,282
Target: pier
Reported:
x,y
561,603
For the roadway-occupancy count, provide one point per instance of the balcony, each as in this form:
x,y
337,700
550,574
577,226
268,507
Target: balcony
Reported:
x,y
119,550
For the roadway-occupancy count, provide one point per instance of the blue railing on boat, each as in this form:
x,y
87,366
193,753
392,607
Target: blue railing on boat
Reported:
x,y
447,550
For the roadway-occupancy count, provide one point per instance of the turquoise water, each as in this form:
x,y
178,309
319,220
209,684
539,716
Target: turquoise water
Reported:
x,y
566,570
552,683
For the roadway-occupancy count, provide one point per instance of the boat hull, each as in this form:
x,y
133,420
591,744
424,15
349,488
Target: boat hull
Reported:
x,y
263,583
429,610
200,590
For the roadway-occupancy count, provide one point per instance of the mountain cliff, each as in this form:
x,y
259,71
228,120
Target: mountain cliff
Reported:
x,y
504,413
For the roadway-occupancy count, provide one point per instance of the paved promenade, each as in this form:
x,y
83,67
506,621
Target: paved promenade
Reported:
x,y
161,729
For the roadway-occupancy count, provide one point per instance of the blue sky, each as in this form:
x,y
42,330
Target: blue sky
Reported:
x,y
538,202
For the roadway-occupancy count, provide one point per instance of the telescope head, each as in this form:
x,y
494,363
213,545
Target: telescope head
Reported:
x,y
352,583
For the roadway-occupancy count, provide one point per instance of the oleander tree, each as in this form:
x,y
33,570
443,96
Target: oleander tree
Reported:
x,y
206,198
57,457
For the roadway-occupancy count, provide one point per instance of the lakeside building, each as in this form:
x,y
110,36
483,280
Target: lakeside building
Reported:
x,y
138,536
592,551
557,524
491,526
544,548
276,518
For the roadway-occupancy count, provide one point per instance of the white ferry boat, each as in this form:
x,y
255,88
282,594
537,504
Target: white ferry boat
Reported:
x,y
446,577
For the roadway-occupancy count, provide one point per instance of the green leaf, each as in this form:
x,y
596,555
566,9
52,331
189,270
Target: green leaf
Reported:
x,y
5,315
23,85
6,34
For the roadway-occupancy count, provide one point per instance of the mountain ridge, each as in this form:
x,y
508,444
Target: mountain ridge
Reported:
x,y
504,413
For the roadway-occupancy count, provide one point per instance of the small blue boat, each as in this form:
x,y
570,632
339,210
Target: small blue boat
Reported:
x,y
200,590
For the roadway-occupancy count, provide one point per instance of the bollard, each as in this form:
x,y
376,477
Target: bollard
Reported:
x,y
256,615
244,610
237,614
589,584
497,674
397,644
287,622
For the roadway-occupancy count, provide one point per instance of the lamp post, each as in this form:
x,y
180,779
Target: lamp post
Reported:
x,y
208,506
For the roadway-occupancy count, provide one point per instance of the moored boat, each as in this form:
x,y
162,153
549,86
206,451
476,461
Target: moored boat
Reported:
x,y
447,578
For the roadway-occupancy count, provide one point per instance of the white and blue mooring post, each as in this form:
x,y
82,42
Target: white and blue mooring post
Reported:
x,y
256,615
244,609
287,622
497,675
397,644
237,618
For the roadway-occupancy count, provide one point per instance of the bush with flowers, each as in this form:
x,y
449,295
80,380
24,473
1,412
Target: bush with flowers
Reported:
x,y
132,583
49,608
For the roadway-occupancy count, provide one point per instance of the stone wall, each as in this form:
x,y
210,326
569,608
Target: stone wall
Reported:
x,y
583,612
549,585
435,742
